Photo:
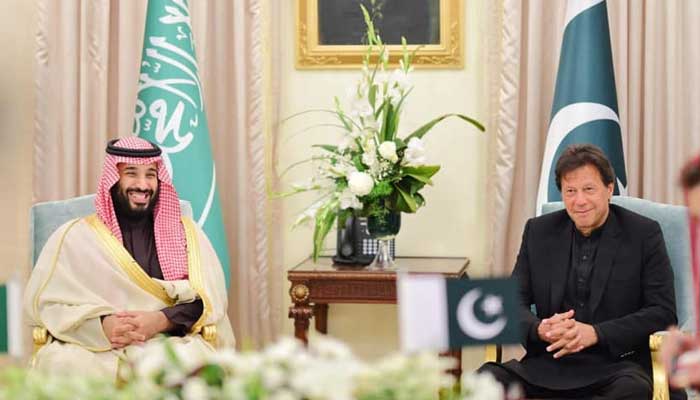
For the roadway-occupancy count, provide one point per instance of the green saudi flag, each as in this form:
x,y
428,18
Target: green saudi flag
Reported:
x,y
11,318
3,320
170,112
584,109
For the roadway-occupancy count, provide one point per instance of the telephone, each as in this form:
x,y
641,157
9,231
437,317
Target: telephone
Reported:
x,y
355,246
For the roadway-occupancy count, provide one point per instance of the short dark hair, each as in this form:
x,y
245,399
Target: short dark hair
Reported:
x,y
690,175
577,155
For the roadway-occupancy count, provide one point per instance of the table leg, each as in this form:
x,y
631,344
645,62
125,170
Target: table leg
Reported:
x,y
301,315
457,355
300,311
321,317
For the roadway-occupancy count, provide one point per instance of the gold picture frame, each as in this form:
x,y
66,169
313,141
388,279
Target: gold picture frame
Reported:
x,y
447,54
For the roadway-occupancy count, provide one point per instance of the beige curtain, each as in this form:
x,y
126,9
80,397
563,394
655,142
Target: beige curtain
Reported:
x,y
657,71
88,56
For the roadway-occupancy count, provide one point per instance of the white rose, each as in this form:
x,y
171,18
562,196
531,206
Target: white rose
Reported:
x,y
234,389
388,151
360,183
273,377
482,387
150,359
195,389
286,348
415,153
328,347
284,394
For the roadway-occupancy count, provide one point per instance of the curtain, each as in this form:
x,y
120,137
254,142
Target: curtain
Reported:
x,y
657,71
87,62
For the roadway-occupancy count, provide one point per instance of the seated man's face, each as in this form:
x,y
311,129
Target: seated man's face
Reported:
x,y
137,189
586,198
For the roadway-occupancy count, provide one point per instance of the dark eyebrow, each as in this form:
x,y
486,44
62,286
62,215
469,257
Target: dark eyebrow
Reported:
x,y
153,170
129,168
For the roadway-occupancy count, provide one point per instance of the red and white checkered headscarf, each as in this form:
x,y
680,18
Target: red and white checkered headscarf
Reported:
x,y
171,244
694,228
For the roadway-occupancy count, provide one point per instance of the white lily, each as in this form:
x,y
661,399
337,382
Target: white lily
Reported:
x,y
414,155
347,142
400,79
361,108
309,214
349,200
394,96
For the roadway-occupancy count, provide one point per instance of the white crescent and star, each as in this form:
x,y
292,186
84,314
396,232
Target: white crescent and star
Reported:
x,y
576,7
564,121
471,325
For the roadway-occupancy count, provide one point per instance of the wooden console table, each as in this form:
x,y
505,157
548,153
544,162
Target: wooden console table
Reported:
x,y
315,285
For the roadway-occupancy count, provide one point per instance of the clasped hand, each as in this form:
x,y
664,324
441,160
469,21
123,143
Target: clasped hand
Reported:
x,y
565,335
133,327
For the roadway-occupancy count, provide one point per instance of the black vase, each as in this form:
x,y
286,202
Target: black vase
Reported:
x,y
383,229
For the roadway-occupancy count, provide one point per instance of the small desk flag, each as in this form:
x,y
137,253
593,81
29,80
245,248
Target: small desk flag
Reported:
x,y
439,314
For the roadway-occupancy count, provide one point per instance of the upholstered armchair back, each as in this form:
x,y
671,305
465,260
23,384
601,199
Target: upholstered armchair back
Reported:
x,y
674,225
46,217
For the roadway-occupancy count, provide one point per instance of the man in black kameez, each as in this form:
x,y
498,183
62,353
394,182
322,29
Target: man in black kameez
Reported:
x,y
601,282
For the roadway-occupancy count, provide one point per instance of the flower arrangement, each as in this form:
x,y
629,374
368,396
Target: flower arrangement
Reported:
x,y
286,370
371,172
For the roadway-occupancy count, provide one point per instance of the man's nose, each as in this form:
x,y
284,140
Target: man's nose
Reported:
x,y
580,198
141,183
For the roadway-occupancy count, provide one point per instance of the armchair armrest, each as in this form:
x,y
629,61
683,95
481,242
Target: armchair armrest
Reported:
x,y
660,379
494,353
209,334
40,336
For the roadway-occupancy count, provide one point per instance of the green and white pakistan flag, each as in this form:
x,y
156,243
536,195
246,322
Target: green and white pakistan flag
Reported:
x,y
436,313
170,112
584,109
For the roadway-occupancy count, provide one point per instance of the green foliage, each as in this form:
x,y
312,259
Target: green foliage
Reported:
x,y
422,173
420,132
325,218
371,149
212,374
328,147
380,190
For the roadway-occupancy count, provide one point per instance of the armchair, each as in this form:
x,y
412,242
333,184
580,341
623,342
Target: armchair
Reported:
x,y
674,225
46,217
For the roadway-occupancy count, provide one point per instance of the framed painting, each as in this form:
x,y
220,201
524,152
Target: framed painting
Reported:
x,y
330,33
